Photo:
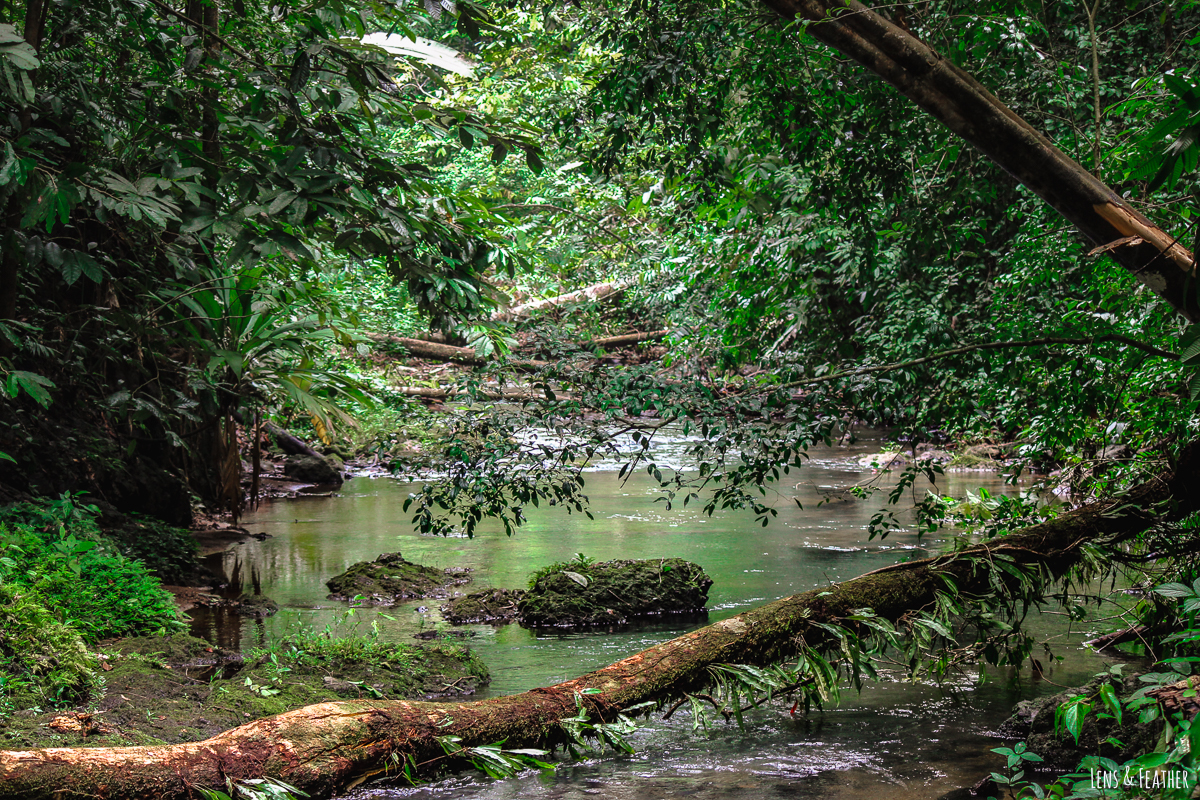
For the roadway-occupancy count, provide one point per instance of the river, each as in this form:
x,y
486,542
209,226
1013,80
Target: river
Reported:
x,y
895,739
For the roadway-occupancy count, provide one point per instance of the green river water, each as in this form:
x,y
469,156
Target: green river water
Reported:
x,y
895,740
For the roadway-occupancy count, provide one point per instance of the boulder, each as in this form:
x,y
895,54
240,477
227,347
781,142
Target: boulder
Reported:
x,y
390,578
312,469
491,605
580,594
257,606
885,460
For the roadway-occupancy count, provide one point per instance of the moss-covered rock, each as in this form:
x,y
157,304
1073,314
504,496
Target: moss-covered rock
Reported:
x,y
491,605
390,578
611,592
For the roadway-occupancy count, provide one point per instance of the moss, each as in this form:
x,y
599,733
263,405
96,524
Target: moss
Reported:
x,y
581,593
390,578
490,605
169,689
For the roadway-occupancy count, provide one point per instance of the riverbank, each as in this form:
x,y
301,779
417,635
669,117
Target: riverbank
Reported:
x,y
93,649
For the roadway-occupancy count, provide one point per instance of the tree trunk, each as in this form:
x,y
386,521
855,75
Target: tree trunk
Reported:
x,y
331,747
963,105
624,340
592,293
447,352
508,393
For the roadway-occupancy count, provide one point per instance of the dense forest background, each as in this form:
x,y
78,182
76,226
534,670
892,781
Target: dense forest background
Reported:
x,y
199,223
217,215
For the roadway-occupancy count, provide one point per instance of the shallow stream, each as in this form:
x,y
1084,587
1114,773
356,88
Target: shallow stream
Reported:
x,y
894,740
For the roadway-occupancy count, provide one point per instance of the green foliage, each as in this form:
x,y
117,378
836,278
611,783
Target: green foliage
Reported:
x,y
1176,752
615,734
167,551
43,662
253,345
491,759
253,789
580,564
94,590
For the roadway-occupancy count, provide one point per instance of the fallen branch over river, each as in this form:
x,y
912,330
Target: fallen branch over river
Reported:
x,y
330,747
439,351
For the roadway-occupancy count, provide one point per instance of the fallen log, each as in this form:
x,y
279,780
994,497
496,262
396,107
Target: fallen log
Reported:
x,y
509,393
1132,634
624,340
593,293
329,748
286,441
437,351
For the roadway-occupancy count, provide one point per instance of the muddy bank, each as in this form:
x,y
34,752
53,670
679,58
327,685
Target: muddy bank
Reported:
x,y
163,690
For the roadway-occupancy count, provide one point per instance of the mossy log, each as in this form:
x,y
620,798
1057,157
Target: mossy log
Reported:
x,y
330,747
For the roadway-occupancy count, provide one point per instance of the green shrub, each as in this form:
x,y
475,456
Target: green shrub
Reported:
x,y
167,551
42,660
79,576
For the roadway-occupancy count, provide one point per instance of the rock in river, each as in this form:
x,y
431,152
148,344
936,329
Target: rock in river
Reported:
x,y
389,579
613,591
311,469
498,606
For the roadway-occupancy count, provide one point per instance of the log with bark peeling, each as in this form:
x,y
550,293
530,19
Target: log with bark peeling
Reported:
x,y
328,748
508,393
624,340
438,351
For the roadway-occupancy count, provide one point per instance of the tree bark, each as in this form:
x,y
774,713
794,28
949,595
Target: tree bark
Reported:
x,y
331,747
509,393
624,340
436,351
968,109
593,293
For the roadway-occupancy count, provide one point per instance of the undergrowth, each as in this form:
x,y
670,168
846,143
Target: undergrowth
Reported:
x,y
65,587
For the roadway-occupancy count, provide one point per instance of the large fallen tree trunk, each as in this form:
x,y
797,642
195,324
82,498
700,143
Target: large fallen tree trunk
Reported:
x,y
624,340
508,393
966,107
438,351
331,747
